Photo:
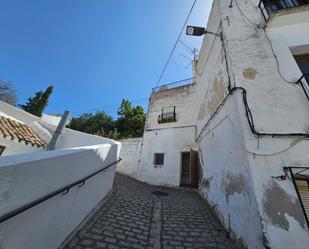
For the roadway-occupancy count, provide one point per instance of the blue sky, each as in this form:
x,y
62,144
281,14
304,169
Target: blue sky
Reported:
x,y
94,52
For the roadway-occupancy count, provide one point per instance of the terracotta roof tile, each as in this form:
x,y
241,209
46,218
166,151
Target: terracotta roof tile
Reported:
x,y
12,129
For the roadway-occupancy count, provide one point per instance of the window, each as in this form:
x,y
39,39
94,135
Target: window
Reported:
x,y
167,115
303,190
158,159
303,63
300,178
2,148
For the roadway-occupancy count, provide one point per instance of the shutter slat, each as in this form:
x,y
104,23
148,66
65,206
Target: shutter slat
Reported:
x,y
303,189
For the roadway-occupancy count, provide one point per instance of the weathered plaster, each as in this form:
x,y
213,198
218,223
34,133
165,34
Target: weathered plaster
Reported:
x,y
277,204
233,183
249,73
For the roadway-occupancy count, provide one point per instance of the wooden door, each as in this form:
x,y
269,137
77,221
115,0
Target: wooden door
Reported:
x,y
194,168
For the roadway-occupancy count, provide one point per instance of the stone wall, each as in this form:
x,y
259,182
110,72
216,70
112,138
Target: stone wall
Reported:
x,y
130,155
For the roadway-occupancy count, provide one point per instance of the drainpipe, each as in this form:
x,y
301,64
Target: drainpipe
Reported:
x,y
58,131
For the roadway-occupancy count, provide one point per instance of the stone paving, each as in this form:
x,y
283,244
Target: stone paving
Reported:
x,y
133,217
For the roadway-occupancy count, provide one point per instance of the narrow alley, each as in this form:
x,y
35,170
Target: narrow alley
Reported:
x,y
138,215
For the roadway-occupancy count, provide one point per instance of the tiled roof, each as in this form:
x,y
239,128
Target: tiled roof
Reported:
x,y
12,129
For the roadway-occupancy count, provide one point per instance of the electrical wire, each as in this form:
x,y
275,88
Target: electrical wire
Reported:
x,y
249,118
211,47
107,107
174,47
276,59
186,46
269,41
291,145
246,17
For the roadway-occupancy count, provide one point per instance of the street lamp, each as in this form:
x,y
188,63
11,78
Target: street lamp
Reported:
x,y
196,31
199,31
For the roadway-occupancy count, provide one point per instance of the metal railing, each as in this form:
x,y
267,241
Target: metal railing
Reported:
x,y
304,82
172,85
167,117
299,173
269,6
64,190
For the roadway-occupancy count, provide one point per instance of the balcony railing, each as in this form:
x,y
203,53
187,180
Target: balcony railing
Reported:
x,y
269,6
304,82
167,117
172,85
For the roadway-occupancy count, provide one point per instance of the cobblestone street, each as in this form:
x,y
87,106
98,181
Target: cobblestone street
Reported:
x,y
134,217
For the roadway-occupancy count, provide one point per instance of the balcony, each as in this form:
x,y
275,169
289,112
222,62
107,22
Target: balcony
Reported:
x,y
268,7
167,116
173,85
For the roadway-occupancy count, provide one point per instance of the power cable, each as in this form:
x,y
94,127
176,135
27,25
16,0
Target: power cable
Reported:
x,y
187,46
269,41
174,47
107,107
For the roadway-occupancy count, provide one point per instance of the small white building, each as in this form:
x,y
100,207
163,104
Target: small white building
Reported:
x,y
18,138
166,154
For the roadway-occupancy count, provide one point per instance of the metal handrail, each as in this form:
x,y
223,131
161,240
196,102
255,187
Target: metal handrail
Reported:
x,y
283,5
300,81
63,190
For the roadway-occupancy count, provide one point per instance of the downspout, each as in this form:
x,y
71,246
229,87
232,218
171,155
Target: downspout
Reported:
x,y
58,131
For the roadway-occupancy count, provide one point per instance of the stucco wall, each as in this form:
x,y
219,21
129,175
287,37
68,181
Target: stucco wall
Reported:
x,y
171,142
253,66
181,97
170,138
14,147
237,165
17,113
25,178
227,181
130,155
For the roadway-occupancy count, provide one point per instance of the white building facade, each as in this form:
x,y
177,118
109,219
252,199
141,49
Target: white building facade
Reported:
x,y
165,155
253,119
247,116
168,136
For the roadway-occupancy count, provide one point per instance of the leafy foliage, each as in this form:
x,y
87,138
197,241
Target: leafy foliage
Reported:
x,y
130,122
7,92
36,105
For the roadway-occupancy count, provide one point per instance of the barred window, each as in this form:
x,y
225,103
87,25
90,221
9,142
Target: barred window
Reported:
x,y
158,159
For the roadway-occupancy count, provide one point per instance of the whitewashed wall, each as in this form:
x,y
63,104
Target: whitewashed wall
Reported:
x,y
171,142
237,165
17,113
130,155
168,138
51,119
14,147
28,177
181,97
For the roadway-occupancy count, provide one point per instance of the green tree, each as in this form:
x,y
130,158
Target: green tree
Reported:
x,y
99,124
36,105
7,92
131,120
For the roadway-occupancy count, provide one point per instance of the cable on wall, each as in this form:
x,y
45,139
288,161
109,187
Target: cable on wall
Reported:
x,y
269,41
249,118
